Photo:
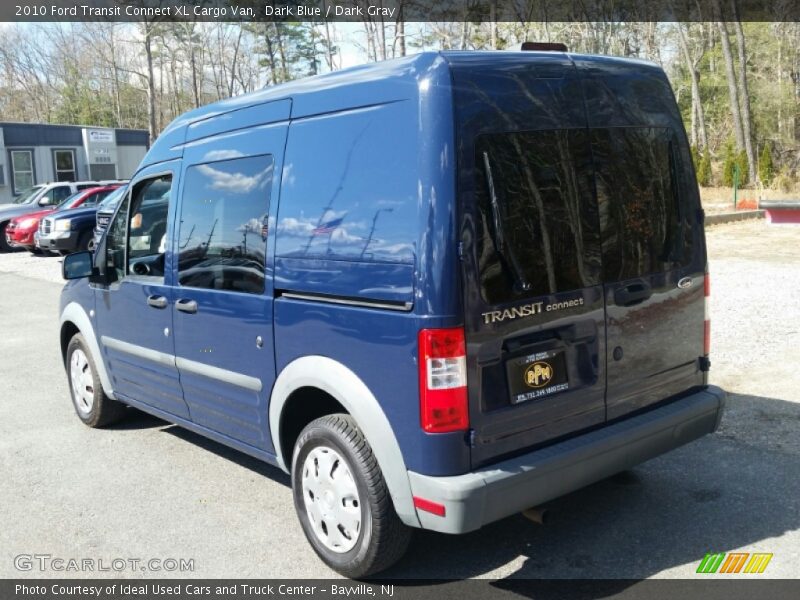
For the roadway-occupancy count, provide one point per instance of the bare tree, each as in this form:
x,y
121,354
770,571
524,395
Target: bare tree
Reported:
x,y
698,129
733,90
744,95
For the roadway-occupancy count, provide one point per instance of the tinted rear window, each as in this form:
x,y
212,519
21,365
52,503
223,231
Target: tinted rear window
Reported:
x,y
545,212
647,227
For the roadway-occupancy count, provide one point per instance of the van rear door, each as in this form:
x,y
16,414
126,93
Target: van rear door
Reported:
x,y
531,252
653,241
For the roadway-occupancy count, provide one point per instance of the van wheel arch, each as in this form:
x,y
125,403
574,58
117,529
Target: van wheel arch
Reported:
x,y
68,330
304,405
341,391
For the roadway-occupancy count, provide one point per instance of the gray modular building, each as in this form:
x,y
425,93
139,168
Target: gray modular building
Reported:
x,y
34,153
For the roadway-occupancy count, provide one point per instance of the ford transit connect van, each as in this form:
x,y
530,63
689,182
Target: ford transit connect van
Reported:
x,y
437,290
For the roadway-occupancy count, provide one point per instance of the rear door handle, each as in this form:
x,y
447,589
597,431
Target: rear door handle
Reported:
x,y
633,293
157,301
187,306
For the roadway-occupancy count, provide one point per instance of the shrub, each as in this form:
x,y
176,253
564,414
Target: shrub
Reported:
x,y
766,169
744,170
728,165
784,181
704,169
696,156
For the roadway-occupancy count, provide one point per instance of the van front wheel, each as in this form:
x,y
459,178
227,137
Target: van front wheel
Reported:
x,y
91,404
342,500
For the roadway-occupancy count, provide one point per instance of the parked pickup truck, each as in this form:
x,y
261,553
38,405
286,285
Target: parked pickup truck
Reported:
x,y
72,230
45,196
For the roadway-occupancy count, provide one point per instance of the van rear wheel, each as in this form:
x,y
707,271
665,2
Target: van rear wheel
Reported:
x,y
342,500
91,404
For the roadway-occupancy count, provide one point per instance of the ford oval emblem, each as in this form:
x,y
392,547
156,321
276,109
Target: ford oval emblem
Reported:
x,y
685,283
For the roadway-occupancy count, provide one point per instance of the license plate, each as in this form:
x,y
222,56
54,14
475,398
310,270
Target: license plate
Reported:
x,y
536,375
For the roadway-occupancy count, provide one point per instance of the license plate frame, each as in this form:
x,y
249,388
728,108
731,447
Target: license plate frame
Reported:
x,y
538,375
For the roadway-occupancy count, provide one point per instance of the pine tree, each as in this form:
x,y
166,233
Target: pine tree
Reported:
x,y
728,164
741,161
766,170
704,169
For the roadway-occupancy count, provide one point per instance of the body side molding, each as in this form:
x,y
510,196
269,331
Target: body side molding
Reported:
x,y
198,368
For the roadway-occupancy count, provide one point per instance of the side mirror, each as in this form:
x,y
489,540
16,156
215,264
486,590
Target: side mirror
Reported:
x,y
44,201
78,265
101,273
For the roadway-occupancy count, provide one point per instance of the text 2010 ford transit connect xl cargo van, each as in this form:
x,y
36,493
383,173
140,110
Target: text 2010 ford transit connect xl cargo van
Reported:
x,y
437,290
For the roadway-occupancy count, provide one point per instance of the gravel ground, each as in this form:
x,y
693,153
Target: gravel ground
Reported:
x,y
755,331
147,489
25,264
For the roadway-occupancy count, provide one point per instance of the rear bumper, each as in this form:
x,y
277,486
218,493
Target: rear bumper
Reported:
x,y
481,497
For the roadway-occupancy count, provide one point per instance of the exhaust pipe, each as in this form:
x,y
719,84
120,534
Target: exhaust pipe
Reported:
x,y
536,514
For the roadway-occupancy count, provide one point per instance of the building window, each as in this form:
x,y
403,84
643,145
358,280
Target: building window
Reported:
x,y
65,165
21,170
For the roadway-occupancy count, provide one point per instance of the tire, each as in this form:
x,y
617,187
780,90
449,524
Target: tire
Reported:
x,y
83,242
381,538
91,404
4,247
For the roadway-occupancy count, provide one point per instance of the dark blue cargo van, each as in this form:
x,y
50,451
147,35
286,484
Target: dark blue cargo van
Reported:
x,y
437,290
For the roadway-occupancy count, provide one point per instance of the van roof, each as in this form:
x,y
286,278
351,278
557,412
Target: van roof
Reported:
x,y
362,85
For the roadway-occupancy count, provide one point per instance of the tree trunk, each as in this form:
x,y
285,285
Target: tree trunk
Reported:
x,y
193,61
493,24
151,84
400,31
271,59
733,92
744,96
233,64
698,114
281,53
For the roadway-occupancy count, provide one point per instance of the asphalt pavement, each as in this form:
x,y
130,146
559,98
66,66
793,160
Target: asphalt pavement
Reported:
x,y
147,490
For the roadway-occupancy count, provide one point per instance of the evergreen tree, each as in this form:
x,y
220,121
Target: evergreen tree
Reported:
x,y
728,164
704,169
766,170
741,161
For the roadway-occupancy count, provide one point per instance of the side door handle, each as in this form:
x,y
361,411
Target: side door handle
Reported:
x,y
633,293
187,306
157,301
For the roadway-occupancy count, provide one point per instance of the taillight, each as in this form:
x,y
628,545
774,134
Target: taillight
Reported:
x,y
443,380
707,322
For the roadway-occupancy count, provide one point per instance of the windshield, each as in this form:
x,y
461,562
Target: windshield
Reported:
x,y
27,195
69,201
110,202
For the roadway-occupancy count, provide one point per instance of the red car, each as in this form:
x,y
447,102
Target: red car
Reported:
x,y
20,230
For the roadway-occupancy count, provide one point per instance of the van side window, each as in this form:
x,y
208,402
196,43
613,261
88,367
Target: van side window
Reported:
x,y
223,225
147,227
538,229
644,213
361,203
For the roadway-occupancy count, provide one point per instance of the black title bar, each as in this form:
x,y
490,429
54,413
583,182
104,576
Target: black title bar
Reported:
x,y
394,10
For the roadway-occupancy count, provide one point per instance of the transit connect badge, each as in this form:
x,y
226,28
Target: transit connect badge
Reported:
x,y
528,310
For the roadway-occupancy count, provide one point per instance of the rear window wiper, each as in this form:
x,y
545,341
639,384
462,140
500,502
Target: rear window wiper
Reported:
x,y
505,252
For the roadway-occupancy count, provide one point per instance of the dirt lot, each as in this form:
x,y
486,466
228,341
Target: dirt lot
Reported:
x,y
147,489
